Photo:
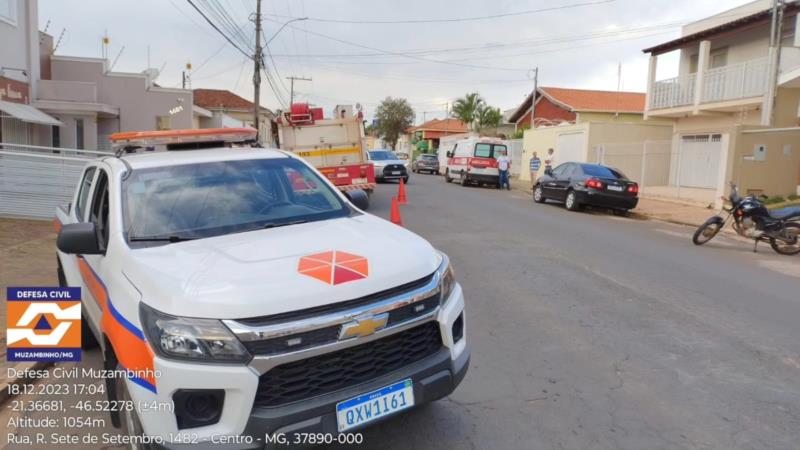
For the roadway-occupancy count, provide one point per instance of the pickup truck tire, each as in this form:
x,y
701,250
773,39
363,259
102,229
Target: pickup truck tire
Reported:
x,y
129,420
88,340
447,178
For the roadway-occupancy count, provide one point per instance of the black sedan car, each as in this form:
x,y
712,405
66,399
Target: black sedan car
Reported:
x,y
580,184
426,162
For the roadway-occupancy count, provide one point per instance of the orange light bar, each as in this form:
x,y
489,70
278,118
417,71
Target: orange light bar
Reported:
x,y
183,136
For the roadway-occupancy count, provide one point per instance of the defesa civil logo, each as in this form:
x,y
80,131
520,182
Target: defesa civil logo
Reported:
x,y
43,324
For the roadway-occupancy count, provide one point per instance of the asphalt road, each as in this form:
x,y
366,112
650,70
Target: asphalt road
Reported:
x,y
590,331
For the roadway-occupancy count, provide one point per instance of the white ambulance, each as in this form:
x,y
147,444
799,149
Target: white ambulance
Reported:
x,y
473,160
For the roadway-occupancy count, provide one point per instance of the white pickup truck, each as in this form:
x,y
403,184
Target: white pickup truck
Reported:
x,y
241,287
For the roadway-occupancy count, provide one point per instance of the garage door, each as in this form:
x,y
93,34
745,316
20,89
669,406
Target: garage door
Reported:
x,y
699,160
571,147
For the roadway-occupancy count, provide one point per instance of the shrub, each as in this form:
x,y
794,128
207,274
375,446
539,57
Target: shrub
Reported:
x,y
793,196
774,199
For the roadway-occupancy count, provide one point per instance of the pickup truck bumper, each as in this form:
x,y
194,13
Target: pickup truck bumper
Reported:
x,y
434,377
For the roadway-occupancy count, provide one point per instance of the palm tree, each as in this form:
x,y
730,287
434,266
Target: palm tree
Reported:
x,y
489,117
466,109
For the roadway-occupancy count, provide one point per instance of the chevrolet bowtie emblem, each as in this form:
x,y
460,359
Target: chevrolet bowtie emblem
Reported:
x,y
363,326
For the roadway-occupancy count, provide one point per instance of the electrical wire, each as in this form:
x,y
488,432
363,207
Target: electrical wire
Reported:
x,y
451,20
214,26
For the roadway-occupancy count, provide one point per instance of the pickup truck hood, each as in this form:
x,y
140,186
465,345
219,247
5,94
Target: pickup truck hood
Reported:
x,y
258,273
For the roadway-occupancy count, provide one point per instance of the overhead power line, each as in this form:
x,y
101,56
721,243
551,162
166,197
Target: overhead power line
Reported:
x,y
214,26
454,19
389,52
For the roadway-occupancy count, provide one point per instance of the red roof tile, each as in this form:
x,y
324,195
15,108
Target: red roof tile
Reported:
x,y
603,101
449,125
220,98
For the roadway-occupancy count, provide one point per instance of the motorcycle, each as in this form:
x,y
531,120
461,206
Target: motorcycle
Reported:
x,y
751,219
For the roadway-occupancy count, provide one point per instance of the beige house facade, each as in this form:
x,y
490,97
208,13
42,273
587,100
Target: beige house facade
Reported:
x,y
734,105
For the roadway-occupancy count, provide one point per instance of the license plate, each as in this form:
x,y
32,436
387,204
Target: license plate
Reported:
x,y
373,405
359,180
397,172
615,188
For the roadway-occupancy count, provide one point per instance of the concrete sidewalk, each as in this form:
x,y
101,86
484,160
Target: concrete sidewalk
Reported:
x,y
27,258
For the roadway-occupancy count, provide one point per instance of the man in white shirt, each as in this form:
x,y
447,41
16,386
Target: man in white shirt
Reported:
x,y
503,165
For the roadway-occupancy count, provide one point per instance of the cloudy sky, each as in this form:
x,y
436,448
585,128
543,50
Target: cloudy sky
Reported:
x,y
427,51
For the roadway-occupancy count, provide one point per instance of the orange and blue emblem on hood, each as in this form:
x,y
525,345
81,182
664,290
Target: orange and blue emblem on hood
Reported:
x,y
334,267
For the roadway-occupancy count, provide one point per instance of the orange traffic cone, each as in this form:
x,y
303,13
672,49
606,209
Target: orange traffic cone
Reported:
x,y
401,193
395,215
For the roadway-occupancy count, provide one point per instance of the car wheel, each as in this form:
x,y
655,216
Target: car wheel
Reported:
x,y
405,179
447,178
463,179
572,201
538,195
621,212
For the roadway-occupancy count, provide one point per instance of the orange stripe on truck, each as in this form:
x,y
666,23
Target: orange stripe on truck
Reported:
x,y
127,340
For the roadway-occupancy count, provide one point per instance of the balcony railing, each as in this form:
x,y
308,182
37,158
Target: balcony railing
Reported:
x,y
741,80
678,91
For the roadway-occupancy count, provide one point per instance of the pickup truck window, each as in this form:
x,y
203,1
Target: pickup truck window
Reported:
x,y
99,211
83,193
173,203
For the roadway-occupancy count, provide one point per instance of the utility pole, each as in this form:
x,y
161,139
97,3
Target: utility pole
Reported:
x,y
292,79
533,95
257,71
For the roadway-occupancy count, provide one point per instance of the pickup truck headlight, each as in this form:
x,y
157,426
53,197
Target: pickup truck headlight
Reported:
x,y
447,279
206,340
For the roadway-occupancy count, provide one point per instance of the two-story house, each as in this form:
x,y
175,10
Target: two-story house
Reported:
x,y
734,104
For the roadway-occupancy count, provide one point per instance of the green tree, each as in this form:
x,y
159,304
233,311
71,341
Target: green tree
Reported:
x,y
489,117
393,116
467,108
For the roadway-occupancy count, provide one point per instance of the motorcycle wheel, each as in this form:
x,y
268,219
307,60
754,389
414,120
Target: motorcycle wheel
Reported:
x,y
792,232
707,231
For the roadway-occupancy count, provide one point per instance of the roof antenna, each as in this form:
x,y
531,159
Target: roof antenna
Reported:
x,y
60,37
116,59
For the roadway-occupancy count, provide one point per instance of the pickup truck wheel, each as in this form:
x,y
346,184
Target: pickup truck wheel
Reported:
x,y
88,341
130,424
447,178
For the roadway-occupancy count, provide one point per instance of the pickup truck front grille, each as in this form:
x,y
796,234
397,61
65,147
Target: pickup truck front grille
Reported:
x,y
327,335
331,372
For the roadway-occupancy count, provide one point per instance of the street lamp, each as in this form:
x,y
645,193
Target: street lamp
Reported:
x,y
296,19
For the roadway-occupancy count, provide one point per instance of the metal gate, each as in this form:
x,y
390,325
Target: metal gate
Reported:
x,y
35,180
699,160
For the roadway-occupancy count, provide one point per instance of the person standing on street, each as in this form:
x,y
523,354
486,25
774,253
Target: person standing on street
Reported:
x,y
503,165
535,164
549,160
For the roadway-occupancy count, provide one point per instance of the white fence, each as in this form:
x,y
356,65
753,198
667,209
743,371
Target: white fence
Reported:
x,y
34,180
648,163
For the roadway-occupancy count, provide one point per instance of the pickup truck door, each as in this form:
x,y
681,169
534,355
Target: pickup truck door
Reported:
x,y
94,270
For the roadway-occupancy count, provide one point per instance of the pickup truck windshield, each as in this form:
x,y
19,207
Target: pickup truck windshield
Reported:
x,y
194,201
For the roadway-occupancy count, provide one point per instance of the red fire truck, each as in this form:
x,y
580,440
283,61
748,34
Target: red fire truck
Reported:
x,y
335,146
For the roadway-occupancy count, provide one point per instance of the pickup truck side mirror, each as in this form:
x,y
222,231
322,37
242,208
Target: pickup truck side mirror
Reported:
x,y
449,154
548,171
79,239
358,197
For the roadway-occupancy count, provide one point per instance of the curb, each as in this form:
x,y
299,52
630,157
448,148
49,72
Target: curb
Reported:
x,y
5,393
